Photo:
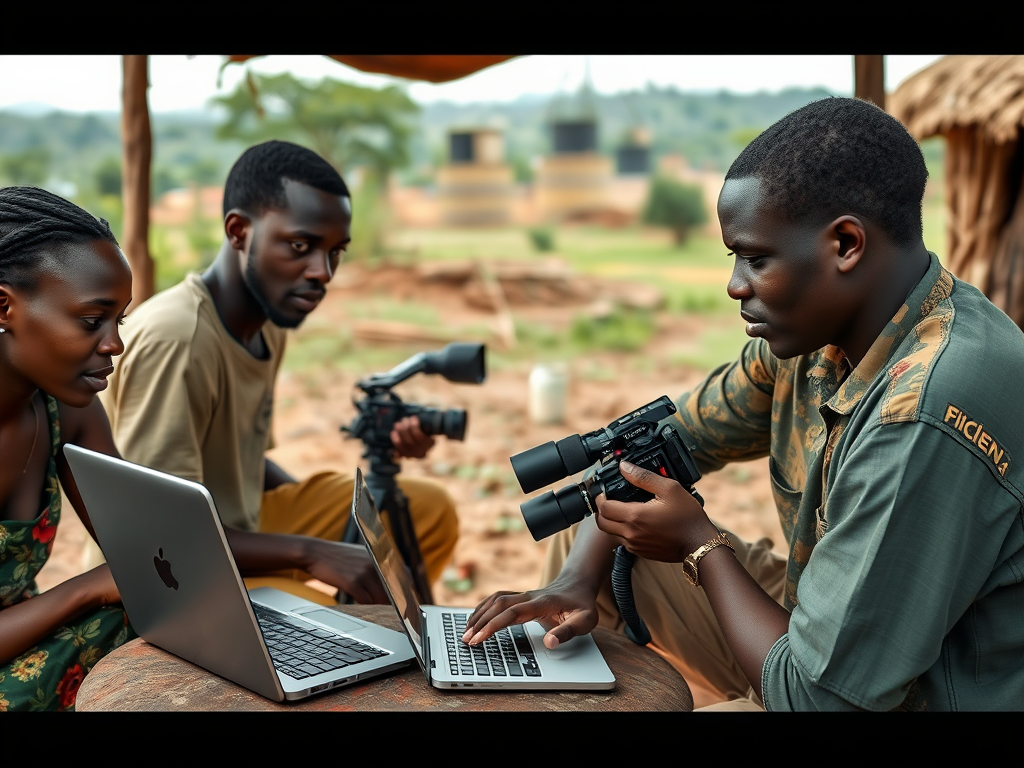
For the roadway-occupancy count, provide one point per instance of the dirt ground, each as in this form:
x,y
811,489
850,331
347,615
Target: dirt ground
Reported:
x,y
495,550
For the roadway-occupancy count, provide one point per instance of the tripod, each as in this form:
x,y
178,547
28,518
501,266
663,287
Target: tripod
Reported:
x,y
378,413
394,507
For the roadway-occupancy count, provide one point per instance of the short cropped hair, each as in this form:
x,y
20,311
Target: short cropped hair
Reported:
x,y
34,224
840,156
255,183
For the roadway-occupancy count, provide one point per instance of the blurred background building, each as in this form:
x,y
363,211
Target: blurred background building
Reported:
x,y
476,185
574,179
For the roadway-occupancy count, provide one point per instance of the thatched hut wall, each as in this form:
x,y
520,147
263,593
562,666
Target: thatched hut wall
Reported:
x,y
977,104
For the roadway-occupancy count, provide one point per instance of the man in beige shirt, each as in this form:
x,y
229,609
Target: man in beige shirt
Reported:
x,y
192,394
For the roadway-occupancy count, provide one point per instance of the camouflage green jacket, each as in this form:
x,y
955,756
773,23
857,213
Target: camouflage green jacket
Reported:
x,y
899,488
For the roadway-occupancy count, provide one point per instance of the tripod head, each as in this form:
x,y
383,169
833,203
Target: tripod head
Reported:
x,y
460,362
381,409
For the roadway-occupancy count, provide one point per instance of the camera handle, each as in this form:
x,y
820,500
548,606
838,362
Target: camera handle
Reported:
x,y
622,589
390,501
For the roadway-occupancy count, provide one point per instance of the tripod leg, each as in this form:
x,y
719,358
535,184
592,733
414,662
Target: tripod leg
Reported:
x,y
390,501
397,509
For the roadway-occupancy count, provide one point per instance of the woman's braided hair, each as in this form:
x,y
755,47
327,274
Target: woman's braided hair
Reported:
x,y
31,219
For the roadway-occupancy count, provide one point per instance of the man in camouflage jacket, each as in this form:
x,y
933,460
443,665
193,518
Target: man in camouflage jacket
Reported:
x,y
885,394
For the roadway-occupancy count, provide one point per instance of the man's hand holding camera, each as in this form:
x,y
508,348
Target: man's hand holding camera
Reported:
x,y
409,439
667,528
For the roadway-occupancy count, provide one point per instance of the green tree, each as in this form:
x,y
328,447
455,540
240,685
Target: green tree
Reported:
x,y
349,125
164,181
743,136
205,172
675,205
108,177
522,169
29,167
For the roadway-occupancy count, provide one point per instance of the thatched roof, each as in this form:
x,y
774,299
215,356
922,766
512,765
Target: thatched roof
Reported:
x,y
985,93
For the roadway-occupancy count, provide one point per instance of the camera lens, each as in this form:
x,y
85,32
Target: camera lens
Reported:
x,y
455,424
538,467
555,511
450,423
575,457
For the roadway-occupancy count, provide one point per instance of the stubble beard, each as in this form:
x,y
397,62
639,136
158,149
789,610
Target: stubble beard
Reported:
x,y
255,288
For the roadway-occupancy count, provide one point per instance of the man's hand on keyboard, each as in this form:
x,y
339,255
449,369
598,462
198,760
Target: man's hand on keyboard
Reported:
x,y
564,609
348,567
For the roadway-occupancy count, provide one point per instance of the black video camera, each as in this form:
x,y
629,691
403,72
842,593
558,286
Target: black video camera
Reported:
x,y
381,409
636,437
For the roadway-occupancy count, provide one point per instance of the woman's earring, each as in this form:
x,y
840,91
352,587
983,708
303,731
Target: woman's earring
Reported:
x,y
3,330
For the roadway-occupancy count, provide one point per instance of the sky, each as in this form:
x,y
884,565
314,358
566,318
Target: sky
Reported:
x,y
93,83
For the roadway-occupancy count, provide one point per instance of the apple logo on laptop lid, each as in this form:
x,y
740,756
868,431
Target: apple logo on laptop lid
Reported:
x,y
163,569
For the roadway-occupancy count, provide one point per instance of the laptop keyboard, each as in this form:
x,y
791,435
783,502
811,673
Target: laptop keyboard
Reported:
x,y
506,653
301,651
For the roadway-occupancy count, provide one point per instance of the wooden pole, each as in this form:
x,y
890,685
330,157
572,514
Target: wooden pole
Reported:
x,y
137,143
869,79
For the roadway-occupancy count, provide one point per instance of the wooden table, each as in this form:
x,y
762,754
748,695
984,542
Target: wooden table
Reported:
x,y
141,677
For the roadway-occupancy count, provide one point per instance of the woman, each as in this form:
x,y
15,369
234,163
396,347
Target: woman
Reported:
x,y
64,287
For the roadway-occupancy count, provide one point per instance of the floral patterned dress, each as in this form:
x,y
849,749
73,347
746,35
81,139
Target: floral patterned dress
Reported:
x,y
47,675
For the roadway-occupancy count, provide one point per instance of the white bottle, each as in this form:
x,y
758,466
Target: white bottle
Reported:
x,y
548,390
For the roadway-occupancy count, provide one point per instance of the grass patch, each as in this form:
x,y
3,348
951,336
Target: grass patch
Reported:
x,y
591,370
337,352
700,300
382,308
309,352
718,344
621,331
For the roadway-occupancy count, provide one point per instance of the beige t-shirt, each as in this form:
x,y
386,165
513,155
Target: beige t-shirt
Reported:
x,y
188,399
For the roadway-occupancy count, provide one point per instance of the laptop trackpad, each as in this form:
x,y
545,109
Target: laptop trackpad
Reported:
x,y
332,619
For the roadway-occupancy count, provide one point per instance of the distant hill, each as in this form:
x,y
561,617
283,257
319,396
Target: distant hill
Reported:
x,y
706,128
709,129
78,145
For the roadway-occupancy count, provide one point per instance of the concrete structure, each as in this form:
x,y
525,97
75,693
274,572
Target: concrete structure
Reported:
x,y
574,180
633,156
476,186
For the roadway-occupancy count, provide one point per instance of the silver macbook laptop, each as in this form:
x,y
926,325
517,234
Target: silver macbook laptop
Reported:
x,y
164,543
513,658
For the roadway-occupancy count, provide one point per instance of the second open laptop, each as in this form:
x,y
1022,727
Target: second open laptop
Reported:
x,y
514,658
166,548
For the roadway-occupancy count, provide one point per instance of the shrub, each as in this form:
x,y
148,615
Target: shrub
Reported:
x,y
543,238
675,205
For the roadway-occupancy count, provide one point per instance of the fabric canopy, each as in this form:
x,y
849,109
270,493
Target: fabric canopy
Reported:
x,y
433,69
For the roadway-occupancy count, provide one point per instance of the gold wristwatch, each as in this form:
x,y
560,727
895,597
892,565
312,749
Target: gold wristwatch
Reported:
x,y
691,561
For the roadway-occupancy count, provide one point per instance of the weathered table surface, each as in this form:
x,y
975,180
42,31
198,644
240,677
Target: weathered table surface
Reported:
x,y
141,677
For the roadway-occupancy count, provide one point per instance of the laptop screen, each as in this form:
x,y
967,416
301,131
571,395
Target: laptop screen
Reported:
x,y
389,562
